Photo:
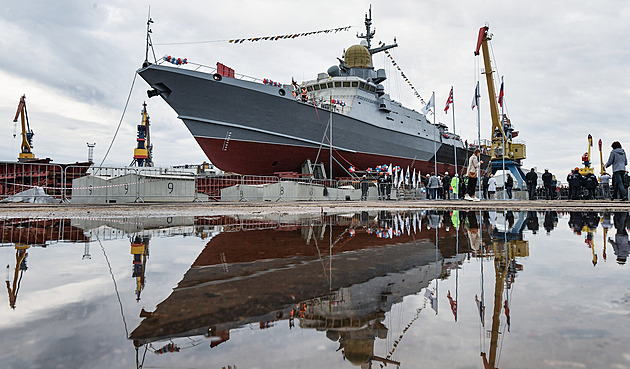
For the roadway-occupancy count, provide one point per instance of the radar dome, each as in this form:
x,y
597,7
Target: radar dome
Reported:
x,y
358,56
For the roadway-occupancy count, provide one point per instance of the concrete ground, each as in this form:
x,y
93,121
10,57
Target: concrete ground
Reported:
x,y
294,207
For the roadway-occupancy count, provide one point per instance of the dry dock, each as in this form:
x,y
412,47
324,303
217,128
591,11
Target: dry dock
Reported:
x,y
297,207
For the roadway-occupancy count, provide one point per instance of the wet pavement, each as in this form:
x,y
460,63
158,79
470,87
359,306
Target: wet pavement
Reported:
x,y
370,289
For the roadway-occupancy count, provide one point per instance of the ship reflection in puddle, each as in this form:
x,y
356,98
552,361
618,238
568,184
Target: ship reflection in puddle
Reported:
x,y
340,277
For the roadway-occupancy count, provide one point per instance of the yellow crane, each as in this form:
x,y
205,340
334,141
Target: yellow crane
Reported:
x,y
27,134
20,267
503,149
586,159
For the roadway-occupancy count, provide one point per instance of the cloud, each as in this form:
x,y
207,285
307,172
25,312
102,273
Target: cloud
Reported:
x,y
565,67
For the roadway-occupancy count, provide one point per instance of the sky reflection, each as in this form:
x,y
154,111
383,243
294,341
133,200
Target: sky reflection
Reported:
x,y
373,289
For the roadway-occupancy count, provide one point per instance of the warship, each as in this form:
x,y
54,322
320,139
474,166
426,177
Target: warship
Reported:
x,y
259,127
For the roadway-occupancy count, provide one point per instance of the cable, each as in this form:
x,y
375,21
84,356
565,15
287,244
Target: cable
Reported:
x,y
121,119
498,75
122,313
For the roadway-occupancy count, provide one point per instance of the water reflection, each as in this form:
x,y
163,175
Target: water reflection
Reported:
x,y
338,274
341,280
620,243
26,233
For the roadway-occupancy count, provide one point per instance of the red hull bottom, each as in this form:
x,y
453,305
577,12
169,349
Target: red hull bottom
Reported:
x,y
254,158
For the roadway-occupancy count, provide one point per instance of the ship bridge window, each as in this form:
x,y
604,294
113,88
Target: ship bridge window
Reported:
x,y
362,85
316,87
346,84
355,84
372,88
309,88
337,84
323,86
330,84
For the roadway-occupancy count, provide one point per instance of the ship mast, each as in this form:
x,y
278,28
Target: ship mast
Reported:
x,y
369,35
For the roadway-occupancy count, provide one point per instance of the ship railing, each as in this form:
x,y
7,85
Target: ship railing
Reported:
x,y
31,182
209,69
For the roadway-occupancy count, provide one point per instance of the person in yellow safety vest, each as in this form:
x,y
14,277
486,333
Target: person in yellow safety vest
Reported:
x,y
455,186
304,94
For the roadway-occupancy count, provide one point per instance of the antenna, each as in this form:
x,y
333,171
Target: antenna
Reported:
x,y
149,43
369,34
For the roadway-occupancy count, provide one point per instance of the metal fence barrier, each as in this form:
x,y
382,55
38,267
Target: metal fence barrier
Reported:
x,y
45,182
32,182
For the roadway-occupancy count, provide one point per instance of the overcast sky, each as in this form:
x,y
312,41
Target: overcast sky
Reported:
x,y
565,64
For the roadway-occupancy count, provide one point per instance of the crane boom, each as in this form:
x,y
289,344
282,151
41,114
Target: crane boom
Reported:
x,y
482,41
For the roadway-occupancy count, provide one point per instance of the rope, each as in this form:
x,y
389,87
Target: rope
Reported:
x,y
400,337
498,74
121,119
122,313
325,137
402,74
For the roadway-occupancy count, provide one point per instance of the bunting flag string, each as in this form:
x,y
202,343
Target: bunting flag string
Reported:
x,y
288,36
402,74
262,38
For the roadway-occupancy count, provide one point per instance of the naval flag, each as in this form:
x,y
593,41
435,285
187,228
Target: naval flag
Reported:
x,y
430,104
475,100
449,101
501,95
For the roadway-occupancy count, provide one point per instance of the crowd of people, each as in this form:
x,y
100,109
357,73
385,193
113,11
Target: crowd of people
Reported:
x,y
581,186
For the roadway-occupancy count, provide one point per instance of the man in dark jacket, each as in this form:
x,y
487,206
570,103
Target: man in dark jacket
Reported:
x,y
365,186
532,180
575,184
546,178
509,184
380,183
618,161
446,185
388,186
590,183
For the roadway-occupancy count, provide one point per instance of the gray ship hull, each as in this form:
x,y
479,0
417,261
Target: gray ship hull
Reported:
x,y
252,128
